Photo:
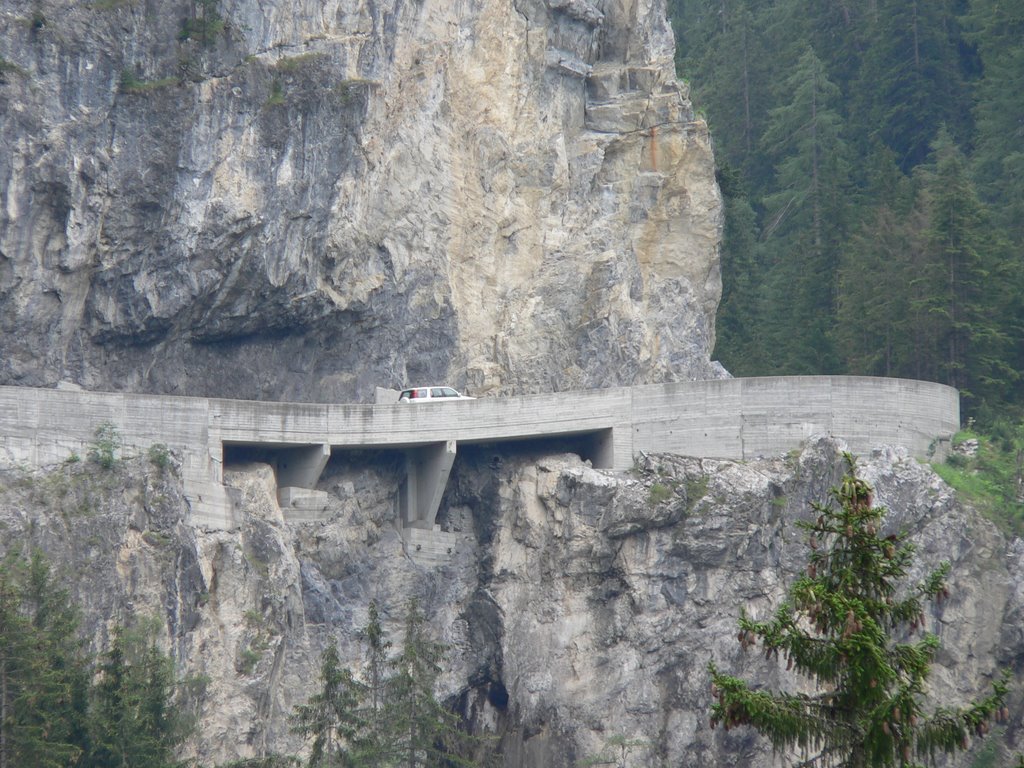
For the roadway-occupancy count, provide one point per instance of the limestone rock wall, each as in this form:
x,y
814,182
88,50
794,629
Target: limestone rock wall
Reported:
x,y
581,612
316,198
615,593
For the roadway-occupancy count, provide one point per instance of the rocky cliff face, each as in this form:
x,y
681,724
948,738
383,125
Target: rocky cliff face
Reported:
x,y
580,608
306,200
302,201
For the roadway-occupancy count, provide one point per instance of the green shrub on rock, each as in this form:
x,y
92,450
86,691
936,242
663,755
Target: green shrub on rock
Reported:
x,y
105,446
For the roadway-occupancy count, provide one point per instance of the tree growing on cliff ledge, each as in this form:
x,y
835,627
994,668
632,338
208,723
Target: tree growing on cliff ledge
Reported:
x,y
850,626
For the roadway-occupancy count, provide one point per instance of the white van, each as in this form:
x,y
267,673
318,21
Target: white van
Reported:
x,y
431,395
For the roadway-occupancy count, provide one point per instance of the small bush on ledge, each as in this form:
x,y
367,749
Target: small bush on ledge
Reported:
x,y
105,446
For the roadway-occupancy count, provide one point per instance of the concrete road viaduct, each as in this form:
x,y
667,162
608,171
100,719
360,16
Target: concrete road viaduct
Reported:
x,y
731,419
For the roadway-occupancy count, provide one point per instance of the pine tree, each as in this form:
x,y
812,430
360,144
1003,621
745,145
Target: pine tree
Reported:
x,y
873,322
841,626
13,650
996,28
42,668
330,716
388,717
965,279
423,733
56,712
892,73
805,218
371,745
910,81
133,716
739,343
723,51
204,22
872,303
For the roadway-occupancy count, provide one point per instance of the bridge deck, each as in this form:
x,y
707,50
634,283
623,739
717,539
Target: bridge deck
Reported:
x,y
731,418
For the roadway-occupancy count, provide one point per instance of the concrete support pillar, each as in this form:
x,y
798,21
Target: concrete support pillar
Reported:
x,y
601,451
426,475
300,467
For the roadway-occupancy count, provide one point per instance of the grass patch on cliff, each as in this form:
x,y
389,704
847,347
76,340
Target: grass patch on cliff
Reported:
x,y
987,470
350,91
696,489
159,456
659,493
247,661
276,97
256,647
157,539
270,761
204,25
72,490
295,64
307,79
104,481
131,84
9,68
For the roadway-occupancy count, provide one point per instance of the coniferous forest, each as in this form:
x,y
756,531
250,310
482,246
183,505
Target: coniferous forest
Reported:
x,y
871,156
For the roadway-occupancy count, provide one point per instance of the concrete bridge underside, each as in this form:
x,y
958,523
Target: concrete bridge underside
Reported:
x,y
731,419
426,468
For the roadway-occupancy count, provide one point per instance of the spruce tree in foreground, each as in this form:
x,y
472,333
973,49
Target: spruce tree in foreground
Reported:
x,y
387,717
423,733
43,669
371,748
330,716
843,625
134,718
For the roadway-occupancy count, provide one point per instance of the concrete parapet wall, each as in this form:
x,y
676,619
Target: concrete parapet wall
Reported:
x,y
752,417
731,418
40,427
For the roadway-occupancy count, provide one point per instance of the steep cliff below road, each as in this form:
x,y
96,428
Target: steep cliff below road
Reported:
x,y
303,201
580,606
